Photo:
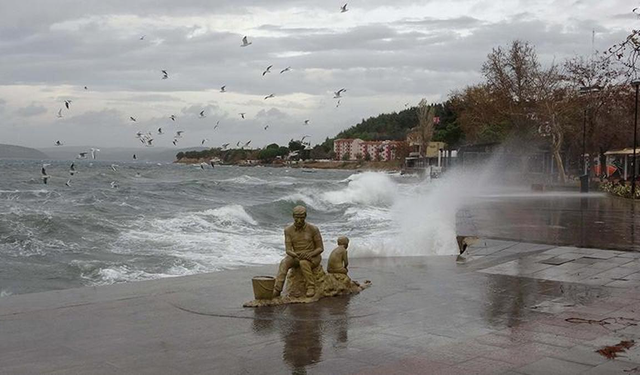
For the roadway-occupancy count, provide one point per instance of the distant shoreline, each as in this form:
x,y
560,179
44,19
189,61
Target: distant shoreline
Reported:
x,y
394,165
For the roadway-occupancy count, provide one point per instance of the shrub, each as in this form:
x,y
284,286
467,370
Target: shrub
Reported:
x,y
619,189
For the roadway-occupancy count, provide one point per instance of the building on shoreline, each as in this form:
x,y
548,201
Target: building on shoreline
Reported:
x,y
354,149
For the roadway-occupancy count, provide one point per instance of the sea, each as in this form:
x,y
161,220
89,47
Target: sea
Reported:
x,y
142,221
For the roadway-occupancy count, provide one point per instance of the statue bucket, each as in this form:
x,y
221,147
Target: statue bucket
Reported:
x,y
263,287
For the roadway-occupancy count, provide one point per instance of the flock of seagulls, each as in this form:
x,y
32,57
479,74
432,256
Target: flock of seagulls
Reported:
x,y
147,138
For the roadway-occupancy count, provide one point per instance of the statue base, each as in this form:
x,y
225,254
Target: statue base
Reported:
x,y
327,285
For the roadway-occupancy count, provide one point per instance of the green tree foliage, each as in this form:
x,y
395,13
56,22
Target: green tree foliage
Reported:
x,y
204,154
295,145
448,130
272,151
318,152
392,126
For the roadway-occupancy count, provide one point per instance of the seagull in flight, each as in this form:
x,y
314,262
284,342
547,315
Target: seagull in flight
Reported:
x,y
67,103
242,114
238,144
135,157
306,122
82,155
45,176
179,134
338,94
60,113
93,152
160,131
217,123
68,183
245,42
114,167
58,143
225,145
132,118
343,8
269,96
173,117
223,88
268,70
246,144
72,169
165,75
204,140
306,136
266,127
202,115
86,88
175,142
114,185
288,68
142,37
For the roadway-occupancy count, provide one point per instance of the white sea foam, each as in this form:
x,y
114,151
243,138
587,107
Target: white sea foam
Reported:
x,y
369,188
250,180
5,293
234,213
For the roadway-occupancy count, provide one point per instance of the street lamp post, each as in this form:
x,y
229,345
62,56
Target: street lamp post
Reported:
x,y
635,83
584,142
584,179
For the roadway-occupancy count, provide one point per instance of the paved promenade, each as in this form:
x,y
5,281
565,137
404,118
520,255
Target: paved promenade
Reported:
x,y
503,309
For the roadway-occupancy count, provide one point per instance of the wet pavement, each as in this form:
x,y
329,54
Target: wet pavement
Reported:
x,y
587,220
508,307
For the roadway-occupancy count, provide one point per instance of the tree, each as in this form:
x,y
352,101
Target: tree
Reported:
x,y
448,130
518,97
627,52
426,113
295,145
318,152
606,106
346,157
367,156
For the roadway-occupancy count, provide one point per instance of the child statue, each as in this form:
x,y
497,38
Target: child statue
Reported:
x,y
338,260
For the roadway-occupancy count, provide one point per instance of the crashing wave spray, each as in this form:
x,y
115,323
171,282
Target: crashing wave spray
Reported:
x,y
423,219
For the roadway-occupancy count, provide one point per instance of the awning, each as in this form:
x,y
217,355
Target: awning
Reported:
x,y
624,151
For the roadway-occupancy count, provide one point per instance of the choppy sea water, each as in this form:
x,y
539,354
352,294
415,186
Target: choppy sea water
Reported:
x,y
172,220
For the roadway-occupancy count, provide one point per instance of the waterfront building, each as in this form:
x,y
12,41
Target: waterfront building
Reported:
x,y
354,149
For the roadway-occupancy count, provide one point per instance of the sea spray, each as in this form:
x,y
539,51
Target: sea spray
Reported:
x,y
422,220
368,188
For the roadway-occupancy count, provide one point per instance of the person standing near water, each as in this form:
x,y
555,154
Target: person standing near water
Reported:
x,y
303,245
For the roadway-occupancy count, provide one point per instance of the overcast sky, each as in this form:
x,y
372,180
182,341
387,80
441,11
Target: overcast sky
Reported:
x,y
384,55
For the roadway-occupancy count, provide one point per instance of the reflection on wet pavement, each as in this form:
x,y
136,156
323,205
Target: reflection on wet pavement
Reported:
x,y
304,329
593,220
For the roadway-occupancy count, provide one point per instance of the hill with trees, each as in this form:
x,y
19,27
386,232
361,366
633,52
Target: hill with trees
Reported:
x,y
396,125
19,152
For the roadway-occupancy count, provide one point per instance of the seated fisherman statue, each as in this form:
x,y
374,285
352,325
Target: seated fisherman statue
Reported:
x,y
303,245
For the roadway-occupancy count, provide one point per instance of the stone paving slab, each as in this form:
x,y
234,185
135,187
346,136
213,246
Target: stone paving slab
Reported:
x,y
499,309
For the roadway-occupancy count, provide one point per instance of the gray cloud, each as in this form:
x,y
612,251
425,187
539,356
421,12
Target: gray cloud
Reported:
x,y
31,110
71,44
